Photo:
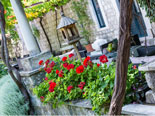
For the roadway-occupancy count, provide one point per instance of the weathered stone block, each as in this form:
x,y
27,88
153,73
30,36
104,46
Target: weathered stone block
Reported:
x,y
150,78
138,109
31,63
32,78
150,97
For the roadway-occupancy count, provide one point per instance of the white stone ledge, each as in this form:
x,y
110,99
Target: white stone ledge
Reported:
x,y
138,109
148,66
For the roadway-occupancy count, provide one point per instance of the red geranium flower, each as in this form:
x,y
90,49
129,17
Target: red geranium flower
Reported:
x,y
81,85
47,62
52,64
98,65
48,70
71,55
64,59
70,66
103,59
42,98
57,71
41,62
87,62
65,65
60,75
46,78
69,88
134,67
52,86
79,69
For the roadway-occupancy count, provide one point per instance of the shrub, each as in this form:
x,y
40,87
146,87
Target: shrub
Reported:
x,y
3,70
11,100
67,79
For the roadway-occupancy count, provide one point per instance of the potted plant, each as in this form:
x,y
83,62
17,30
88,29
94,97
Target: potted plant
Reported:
x,y
84,22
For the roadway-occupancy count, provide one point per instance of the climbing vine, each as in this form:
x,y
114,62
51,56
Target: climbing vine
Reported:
x,y
149,6
33,9
80,9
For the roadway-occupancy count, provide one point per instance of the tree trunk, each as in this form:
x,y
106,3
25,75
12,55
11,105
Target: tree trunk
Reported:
x,y
5,57
122,57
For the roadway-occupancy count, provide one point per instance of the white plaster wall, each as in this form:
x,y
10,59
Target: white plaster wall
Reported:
x,y
111,19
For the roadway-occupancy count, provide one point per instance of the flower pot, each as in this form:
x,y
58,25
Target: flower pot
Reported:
x,y
89,48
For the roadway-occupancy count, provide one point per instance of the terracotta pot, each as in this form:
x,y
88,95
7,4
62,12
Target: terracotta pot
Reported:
x,y
89,48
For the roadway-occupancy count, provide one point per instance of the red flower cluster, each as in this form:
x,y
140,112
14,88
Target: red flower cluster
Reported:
x,y
69,88
80,69
52,86
57,71
64,59
103,59
60,73
41,62
86,61
47,62
42,98
52,64
81,85
98,65
48,70
49,67
135,67
46,78
65,65
71,55
70,66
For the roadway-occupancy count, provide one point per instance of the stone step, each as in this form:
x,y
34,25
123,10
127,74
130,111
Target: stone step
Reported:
x,y
138,109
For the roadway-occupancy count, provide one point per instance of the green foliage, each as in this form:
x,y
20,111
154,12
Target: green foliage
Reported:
x,y
3,69
80,9
149,6
31,12
11,100
35,31
99,83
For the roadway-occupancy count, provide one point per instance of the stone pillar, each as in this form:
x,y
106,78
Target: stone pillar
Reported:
x,y
25,28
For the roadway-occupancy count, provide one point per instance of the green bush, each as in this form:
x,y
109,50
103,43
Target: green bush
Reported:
x,y
11,99
68,79
3,69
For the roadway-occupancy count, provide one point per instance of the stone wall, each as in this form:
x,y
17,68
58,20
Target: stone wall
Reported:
x,y
78,107
49,22
110,18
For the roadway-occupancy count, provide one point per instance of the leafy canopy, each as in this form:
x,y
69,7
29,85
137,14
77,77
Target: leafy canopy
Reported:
x,y
32,11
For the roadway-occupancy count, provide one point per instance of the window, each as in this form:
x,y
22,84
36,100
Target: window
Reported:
x,y
98,13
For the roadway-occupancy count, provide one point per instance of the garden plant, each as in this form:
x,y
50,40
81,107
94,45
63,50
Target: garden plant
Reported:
x,y
67,79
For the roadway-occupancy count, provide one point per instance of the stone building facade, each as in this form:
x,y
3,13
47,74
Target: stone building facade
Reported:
x,y
109,11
